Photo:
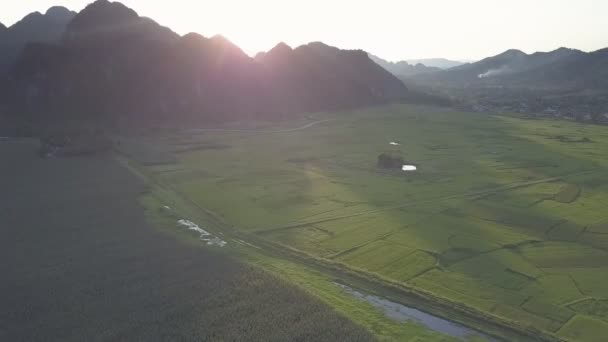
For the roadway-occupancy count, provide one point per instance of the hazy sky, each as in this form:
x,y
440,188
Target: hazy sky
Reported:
x,y
393,29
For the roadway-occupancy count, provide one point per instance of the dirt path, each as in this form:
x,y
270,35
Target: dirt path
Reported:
x,y
287,130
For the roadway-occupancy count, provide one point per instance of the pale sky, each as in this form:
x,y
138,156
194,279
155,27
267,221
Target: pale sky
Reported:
x,y
392,29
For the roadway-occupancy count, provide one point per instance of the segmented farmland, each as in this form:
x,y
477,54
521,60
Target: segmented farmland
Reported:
x,y
502,216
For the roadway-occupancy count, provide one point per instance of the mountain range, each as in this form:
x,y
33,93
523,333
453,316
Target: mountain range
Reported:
x,y
564,83
110,64
561,69
34,28
441,63
403,68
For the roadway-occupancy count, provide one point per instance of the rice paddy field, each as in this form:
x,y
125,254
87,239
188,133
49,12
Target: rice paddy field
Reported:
x,y
504,216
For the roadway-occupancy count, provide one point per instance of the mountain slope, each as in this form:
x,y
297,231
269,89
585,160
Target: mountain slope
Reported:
x,y
565,68
114,65
441,63
571,69
34,28
560,83
317,76
403,68
103,20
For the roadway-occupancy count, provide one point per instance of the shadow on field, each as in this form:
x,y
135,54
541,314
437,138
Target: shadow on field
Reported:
x,y
79,263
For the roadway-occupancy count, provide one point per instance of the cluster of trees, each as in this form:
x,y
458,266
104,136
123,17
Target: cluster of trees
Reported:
x,y
72,143
390,161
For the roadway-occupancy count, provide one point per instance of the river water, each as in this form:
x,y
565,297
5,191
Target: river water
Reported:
x,y
402,313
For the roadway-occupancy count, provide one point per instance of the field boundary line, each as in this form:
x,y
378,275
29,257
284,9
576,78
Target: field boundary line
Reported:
x,y
352,249
432,200
565,323
576,301
577,286
419,274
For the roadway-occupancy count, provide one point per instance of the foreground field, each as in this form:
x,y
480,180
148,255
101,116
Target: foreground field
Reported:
x,y
81,263
504,216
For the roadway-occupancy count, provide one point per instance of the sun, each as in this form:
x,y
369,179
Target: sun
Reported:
x,y
253,27
250,41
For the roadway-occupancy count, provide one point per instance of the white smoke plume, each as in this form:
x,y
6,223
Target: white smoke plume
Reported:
x,y
494,72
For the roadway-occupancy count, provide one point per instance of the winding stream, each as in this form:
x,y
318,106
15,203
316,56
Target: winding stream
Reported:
x,y
402,313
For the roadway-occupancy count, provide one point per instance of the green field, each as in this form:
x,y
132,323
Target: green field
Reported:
x,y
504,217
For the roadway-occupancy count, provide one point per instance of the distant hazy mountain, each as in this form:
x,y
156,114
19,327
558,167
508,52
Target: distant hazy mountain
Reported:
x,y
562,68
560,83
440,63
403,69
34,28
114,65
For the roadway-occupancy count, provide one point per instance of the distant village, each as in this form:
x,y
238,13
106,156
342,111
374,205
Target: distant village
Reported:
x,y
562,108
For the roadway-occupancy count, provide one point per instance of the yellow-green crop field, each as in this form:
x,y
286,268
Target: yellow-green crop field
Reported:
x,y
503,215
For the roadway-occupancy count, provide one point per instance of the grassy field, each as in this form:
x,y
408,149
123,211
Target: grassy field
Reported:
x,y
81,262
307,277
504,216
